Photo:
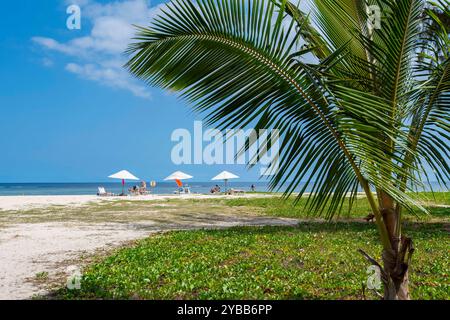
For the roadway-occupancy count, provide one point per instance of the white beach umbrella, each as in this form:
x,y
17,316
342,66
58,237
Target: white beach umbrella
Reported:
x,y
123,175
225,176
178,177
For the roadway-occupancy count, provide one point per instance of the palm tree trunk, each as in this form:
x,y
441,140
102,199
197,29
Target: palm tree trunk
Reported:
x,y
397,259
396,271
397,288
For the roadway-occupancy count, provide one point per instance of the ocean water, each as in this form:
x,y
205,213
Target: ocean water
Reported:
x,y
28,189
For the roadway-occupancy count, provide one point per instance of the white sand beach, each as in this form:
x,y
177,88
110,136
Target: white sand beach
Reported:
x,y
47,234
30,202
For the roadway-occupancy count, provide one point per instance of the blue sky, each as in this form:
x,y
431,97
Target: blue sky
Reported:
x,y
69,112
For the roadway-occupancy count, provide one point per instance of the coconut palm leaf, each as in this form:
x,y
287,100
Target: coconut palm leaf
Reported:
x,y
313,40
341,22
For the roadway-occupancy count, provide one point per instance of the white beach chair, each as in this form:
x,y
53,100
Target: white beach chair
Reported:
x,y
102,192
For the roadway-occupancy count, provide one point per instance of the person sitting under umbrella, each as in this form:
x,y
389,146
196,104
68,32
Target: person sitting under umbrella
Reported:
x,y
215,189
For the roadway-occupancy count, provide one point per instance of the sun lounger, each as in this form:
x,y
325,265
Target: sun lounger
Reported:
x,y
144,192
235,191
102,192
184,190
138,191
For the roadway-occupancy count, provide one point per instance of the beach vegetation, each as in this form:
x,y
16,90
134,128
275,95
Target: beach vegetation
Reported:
x,y
314,260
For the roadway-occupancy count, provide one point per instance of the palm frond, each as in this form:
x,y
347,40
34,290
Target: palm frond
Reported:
x,y
314,41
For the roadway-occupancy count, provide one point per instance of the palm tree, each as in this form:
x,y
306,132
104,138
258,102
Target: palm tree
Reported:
x,y
357,107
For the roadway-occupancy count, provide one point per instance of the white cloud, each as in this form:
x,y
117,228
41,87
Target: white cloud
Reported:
x,y
54,45
98,56
113,77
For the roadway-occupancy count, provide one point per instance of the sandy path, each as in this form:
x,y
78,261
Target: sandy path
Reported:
x,y
27,249
30,202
